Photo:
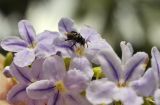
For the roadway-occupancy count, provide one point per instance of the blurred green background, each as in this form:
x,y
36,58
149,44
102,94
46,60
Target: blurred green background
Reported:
x,y
135,21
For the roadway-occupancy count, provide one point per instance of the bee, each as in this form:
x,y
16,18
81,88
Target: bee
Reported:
x,y
75,38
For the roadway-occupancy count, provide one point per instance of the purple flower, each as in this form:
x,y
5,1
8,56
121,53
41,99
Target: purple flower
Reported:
x,y
93,40
25,76
29,46
156,68
124,81
61,88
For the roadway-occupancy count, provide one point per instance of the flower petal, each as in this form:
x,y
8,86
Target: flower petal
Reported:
x,y
17,93
156,63
82,64
43,51
66,25
142,86
100,91
135,66
47,37
13,44
89,34
36,102
65,51
27,31
110,63
36,71
76,81
7,72
56,99
63,46
24,57
41,89
94,42
157,97
127,51
94,47
54,68
23,75
128,97
75,99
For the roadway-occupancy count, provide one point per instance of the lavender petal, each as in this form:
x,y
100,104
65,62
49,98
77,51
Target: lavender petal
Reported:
x,y
17,93
66,25
142,86
55,99
23,75
76,81
94,47
37,102
7,72
24,57
101,91
44,50
89,34
47,37
156,63
13,44
128,97
110,63
41,89
82,64
127,51
135,66
157,96
27,31
54,68
75,99
36,71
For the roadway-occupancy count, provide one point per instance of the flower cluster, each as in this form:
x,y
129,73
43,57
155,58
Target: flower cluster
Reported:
x,y
72,67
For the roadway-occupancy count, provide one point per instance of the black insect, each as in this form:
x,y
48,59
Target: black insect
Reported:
x,y
75,38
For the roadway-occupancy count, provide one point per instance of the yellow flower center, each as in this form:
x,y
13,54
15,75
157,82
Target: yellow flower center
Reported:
x,y
98,72
122,84
33,45
60,86
80,50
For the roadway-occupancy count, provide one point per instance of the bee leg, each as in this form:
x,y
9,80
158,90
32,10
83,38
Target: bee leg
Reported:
x,y
87,42
67,39
74,44
87,45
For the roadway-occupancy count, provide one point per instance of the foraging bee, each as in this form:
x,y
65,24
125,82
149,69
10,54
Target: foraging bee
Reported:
x,y
75,38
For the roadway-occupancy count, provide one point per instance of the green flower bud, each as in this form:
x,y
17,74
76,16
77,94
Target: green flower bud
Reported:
x,y
67,62
98,72
8,59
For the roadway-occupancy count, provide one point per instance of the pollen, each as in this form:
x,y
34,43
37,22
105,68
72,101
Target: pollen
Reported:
x,y
122,84
33,45
80,51
60,86
146,62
